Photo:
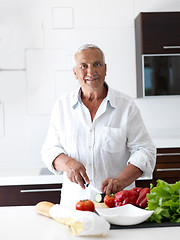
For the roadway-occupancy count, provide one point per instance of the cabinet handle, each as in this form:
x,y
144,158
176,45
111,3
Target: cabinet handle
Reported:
x,y
40,190
171,47
167,154
167,169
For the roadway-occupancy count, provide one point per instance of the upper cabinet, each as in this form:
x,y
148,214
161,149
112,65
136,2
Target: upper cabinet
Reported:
x,y
158,53
158,32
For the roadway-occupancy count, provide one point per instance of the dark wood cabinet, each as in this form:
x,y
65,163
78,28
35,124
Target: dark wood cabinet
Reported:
x,y
143,183
157,34
24,195
167,167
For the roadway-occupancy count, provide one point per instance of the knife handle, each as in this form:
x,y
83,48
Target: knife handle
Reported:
x,y
86,184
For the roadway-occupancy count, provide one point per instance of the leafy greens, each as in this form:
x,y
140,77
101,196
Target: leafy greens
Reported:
x,y
164,200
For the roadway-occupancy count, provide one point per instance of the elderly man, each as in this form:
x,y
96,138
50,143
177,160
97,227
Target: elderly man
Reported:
x,y
96,134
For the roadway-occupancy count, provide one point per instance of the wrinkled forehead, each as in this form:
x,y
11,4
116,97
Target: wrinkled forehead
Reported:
x,y
90,55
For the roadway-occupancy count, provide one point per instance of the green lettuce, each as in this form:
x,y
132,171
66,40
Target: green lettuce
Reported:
x,y
164,200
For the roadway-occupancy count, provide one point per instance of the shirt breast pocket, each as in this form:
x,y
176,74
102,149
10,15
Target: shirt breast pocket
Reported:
x,y
113,139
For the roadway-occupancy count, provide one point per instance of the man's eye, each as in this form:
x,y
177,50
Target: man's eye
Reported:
x,y
83,66
97,64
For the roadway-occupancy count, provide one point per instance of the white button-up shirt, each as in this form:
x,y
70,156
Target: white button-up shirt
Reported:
x,y
117,136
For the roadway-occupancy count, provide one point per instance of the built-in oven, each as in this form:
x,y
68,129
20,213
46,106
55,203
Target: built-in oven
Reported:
x,y
161,74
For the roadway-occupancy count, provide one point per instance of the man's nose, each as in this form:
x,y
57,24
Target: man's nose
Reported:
x,y
91,70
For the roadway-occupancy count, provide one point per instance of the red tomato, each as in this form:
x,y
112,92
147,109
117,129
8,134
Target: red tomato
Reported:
x,y
85,205
109,200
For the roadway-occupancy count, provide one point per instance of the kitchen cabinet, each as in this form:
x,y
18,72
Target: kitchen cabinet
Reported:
x,y
143,183
23,187
167,167
24,195
158,32
157,45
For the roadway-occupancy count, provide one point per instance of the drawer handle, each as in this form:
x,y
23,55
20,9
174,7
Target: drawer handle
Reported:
x,y
171,47
40,190
167,154
167,169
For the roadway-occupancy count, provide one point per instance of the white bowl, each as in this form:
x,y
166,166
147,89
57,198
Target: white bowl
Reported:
x,y
124,215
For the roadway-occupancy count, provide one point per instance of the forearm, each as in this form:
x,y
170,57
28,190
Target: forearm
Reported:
x,y
124,179
61,162
74,169
129,175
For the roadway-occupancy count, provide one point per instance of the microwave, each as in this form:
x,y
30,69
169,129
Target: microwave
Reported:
x,y
161,74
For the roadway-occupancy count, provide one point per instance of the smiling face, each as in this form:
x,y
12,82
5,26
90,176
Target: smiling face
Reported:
x,y
90,69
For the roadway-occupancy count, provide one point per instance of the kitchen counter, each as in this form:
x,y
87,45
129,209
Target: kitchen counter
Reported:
x,y
29,176
165,138
26,187
23,223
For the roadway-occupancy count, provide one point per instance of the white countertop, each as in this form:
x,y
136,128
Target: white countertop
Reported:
x,y
165,138
29,176
23,223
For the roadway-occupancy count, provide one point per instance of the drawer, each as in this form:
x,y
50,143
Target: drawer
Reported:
x,y
24,195
167,165
171,155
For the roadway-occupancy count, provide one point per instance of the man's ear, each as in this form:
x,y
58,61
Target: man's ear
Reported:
x,y
105,69
75,73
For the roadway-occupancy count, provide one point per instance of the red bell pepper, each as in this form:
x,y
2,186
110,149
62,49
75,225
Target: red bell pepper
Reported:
x,y
142,199
136,191
124,197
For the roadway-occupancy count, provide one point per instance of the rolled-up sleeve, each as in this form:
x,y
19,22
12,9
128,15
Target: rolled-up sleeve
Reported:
x,y
141,147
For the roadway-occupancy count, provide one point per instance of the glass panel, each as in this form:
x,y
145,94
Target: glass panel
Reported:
x,y
162,75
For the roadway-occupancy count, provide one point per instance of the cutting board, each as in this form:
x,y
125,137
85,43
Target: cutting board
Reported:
x,y
99,205
146,225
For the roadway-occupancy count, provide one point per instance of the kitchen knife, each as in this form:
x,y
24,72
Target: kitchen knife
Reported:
x,y
91,187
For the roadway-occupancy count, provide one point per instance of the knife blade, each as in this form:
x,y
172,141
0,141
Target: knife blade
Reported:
x,y
91,187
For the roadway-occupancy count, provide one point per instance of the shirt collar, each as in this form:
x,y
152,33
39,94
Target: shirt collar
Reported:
x,y
110,97
76,98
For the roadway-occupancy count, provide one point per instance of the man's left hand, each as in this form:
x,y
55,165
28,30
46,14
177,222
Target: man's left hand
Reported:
x,y
111,185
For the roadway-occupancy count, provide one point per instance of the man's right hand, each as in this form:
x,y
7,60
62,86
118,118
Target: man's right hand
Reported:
x,y
75,170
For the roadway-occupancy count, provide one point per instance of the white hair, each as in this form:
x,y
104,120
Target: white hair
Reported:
x,y
87,46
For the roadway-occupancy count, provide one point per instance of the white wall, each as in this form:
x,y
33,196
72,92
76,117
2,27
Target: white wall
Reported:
x,y
37,42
